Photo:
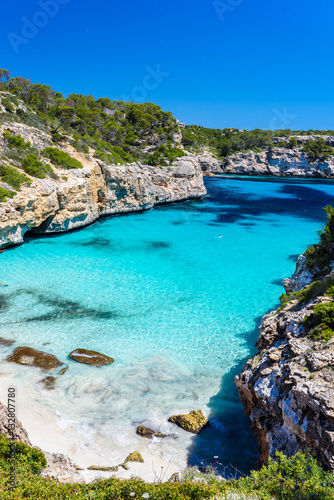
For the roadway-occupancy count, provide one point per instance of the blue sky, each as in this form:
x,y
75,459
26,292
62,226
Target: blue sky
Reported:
x,y
221,63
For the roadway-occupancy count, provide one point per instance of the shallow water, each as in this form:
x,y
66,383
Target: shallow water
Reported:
x,y
174,295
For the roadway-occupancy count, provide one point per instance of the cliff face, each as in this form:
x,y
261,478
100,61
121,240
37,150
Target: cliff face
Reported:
x,y
288,389
277,162
80,196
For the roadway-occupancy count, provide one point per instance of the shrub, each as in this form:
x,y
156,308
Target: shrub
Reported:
x,y
4,194
321,321
31,459
318,150
34,167
15,140
319,256
61,159
13,177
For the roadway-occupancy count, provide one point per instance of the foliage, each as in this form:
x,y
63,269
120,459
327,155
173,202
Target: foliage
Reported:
x,y
13,177
61,159
319,256
298,477
321,321
318,150
16,140
34,167
5,194
295,478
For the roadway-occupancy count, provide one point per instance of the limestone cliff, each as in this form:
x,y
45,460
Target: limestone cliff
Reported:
x,y
80,196
288,388
277,161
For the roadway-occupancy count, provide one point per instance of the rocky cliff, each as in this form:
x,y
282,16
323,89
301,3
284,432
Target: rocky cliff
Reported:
x,y
78,197
288,388
277,161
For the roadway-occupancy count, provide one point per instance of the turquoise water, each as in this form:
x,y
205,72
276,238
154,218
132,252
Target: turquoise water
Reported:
x,y
174,294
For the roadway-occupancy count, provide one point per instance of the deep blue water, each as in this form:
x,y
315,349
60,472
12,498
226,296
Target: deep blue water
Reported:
x,y
175,295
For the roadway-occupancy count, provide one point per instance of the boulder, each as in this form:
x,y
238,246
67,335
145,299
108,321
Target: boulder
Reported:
x,y
134,457
149,433
91,357
31,357
193,422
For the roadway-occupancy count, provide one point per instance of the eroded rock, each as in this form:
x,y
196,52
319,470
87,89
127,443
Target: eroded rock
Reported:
x,y
288,389
194,422
103,469
31,357
149,433
134,457
91,357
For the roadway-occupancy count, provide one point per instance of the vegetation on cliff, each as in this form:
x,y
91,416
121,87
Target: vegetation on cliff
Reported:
x,y
120,132
225,142
296,478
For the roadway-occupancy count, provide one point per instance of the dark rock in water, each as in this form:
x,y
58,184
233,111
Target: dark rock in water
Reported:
x,y
293,258
6,342
63,370
31,357
160,244
126,467
91,357
134,457
149,433
193,422
103,469
49,383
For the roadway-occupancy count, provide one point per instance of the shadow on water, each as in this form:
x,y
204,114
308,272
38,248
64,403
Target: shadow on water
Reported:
x,y
229,442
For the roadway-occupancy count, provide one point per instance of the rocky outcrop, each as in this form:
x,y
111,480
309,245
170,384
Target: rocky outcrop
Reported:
x,y
18,433
209,164
91,357
277,162
194,422
288,389
28,356
149,433
80,196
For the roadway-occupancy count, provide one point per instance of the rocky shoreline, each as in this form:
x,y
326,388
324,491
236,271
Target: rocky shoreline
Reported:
x,y
288,388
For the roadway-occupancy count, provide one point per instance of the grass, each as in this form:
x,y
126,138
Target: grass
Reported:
x,y
61,159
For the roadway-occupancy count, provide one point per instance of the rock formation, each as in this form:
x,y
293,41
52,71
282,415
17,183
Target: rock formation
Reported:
x,y
91,357
288,388
194,422
277,162
31,357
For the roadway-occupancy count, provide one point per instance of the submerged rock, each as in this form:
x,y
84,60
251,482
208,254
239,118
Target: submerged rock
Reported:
x,y
31,357
91,357
134,457
6,342
49,383
63,370
149,433
194,422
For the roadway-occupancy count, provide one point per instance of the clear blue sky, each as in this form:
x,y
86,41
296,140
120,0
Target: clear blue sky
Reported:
x,y
236,63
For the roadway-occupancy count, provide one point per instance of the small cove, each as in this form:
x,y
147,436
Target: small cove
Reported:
x,y
175,295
